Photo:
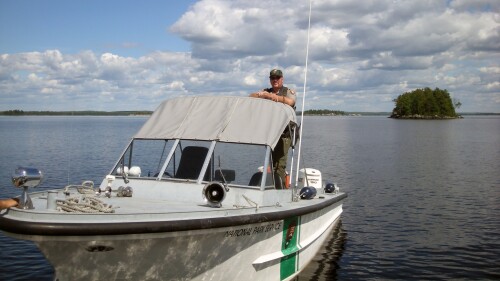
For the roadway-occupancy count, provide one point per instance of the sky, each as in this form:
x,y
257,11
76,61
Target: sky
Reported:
x,y
118,55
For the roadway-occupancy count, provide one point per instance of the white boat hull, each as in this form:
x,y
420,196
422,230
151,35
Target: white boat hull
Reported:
x,y
263,251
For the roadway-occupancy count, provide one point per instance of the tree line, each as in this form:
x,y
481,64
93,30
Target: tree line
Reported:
x,y
18,112
323,112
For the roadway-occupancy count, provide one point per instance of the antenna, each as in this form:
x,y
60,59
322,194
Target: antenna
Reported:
x,y
303,97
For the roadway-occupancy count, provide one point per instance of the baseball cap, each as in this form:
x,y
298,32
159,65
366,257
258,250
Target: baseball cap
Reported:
x,y
276,72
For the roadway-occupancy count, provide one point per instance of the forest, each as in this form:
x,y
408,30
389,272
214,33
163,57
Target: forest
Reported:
x,y
425,104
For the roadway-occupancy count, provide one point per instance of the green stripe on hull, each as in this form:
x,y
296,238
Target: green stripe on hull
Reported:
x,y
289,263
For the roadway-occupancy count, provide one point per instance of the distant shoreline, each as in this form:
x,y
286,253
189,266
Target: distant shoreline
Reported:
x,y
75,113
148,113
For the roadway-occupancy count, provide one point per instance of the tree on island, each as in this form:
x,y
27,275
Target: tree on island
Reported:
x,y
425,104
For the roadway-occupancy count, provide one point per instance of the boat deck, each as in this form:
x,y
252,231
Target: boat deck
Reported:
x,y
132,209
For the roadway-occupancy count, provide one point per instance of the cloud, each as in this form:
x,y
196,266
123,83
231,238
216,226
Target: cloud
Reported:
x,y
232,29
360,57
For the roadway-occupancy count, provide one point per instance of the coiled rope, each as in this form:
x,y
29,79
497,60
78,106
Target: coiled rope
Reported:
x,y
85,204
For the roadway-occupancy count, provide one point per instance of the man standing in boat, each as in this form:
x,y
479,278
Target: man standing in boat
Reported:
x,y
279,93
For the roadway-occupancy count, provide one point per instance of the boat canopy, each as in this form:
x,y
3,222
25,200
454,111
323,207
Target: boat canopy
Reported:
x,y
221,118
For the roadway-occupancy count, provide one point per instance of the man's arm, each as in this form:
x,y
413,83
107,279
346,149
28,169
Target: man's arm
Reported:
x,y
7,203
273,97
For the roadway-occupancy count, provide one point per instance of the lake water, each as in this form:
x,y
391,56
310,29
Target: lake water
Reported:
x,y
424,196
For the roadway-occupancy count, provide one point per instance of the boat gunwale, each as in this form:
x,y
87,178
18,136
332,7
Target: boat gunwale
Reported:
x,y
11,225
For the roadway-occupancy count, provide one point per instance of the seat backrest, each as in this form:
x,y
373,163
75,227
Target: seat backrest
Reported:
x,y
191,162
255,179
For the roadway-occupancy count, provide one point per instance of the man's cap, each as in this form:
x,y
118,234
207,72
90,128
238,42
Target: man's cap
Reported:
x,y
275,72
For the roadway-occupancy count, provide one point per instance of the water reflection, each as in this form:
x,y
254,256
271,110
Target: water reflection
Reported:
x,y
325,264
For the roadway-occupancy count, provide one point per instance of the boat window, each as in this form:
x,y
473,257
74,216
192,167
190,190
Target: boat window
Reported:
x,y
236,164
242,163
187,161
144,158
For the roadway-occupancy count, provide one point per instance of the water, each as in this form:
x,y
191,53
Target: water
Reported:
x,y
424,196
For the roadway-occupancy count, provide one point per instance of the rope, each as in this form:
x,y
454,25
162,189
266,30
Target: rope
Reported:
x,y
249,201
87,187
83,205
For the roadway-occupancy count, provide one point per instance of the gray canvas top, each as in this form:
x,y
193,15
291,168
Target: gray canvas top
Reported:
x,y
227,119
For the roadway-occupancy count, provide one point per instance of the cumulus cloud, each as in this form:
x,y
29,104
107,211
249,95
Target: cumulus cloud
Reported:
x,y
233,29
360,57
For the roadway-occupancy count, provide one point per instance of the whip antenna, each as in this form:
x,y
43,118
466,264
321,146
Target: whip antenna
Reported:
x,y
303,97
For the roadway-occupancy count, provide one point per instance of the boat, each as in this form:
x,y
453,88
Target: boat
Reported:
x,y
193,196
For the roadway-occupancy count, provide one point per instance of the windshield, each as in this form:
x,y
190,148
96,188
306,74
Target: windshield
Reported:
x,y
232,163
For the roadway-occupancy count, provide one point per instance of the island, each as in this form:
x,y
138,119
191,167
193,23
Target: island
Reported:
x,y
425,104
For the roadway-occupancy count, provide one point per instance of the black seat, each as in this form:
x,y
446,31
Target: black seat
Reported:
x,y
191,162
255,179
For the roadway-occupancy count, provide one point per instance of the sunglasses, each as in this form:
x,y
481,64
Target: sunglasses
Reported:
x,y
274,77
